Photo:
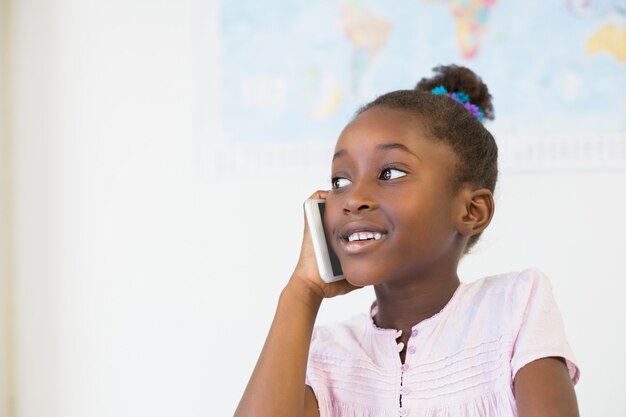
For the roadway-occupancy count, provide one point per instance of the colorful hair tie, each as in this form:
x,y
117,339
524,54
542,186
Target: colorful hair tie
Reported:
x,y
461,98
440,89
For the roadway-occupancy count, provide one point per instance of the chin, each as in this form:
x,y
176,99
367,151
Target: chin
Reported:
x,y
362,278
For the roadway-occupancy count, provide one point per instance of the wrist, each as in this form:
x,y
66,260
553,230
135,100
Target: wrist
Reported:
x,y
303,292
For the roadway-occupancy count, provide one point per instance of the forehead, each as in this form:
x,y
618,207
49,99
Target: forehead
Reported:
x,y
379,126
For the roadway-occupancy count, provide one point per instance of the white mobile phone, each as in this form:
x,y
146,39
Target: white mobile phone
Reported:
x,y
327,261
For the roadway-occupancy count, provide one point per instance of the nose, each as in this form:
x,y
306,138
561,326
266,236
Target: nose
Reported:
x,y
359,199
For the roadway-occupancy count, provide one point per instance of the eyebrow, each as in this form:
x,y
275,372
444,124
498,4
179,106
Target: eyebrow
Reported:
x,y
382,147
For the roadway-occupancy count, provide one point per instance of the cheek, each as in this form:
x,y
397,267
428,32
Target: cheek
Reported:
x,y
420,225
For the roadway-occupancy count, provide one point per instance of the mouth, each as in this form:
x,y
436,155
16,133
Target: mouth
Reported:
x,y
359,238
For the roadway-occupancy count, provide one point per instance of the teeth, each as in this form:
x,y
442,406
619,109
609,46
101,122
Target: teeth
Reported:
x,y
364,236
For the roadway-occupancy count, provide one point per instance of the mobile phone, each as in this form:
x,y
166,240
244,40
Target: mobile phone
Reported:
x,y
327,261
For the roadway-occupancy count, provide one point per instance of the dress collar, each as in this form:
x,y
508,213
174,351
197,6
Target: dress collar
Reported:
x,y
424,323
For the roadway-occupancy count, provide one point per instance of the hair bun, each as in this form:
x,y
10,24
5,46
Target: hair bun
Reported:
x,y
457,78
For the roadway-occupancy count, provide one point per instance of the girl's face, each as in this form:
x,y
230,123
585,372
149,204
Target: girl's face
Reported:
x,y
391,213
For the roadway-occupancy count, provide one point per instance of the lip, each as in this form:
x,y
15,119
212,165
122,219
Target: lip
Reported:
x,y
360,246
353,227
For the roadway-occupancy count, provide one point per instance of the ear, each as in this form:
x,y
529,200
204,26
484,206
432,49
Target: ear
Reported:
x,y
476,211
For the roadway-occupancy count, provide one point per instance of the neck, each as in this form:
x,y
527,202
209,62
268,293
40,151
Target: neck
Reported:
x,y
403,305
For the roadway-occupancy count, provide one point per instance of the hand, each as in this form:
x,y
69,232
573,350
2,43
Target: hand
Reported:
x,y
306,273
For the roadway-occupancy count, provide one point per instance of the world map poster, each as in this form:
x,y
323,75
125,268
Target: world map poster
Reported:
x,y
291,74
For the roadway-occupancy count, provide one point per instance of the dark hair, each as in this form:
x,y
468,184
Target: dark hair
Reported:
x,y
447,121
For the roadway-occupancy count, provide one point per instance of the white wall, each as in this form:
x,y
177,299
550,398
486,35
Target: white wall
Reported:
x,y
5,298
144,287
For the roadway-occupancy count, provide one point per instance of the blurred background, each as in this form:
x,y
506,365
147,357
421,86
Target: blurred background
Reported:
x,y
154,157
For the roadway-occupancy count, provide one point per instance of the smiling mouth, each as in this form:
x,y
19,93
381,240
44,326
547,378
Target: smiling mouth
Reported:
x,y
359,236
361,242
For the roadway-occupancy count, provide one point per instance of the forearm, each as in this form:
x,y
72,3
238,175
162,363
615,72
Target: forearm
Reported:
x,y
277,385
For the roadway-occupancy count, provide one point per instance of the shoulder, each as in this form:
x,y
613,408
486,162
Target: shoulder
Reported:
x,y
504,298
339,339
518,285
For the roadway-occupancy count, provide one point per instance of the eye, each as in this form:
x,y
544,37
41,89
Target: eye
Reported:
x,y
391,174
339,182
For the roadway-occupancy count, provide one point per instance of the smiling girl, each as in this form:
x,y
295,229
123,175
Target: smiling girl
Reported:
x,y
416,169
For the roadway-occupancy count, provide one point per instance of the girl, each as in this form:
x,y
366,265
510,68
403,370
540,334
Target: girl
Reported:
x,y
413,177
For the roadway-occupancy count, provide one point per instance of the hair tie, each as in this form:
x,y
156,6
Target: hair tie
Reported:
x,y
461,98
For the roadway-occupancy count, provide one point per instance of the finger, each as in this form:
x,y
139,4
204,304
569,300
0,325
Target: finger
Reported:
x,y
322,194
319,195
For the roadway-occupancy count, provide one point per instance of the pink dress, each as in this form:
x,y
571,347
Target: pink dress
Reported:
x,y
460,362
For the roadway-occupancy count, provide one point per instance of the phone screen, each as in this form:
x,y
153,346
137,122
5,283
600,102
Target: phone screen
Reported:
x,y
334,261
